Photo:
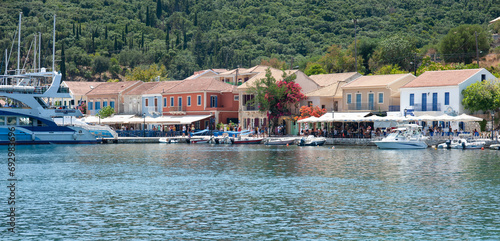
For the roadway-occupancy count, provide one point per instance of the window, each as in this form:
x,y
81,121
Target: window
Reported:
x,y
412,99
171,101
11,120
323,107
199,100
349,98
156,102
104,103
236,98
112,104
446,98
189,100
309,103
91,105
97,105
146,102
164,102
179,101
2,120
483,77
380,98
213,101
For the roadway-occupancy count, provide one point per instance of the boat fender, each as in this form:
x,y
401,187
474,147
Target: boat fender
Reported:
x,y
463,145
74,136
33,137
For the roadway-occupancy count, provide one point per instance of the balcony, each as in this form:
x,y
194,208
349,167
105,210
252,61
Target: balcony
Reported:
x,y
364,106
177,110
427,107
250,108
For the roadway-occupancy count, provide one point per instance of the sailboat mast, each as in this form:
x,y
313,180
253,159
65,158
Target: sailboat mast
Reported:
x,y
19,45
54,46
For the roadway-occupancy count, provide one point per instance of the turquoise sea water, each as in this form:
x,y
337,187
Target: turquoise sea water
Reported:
x,y
203,192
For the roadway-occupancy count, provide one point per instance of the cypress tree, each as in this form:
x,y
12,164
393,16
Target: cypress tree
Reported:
x,y
195,21
167,39
158,9
131,44
147,16
184,45
74,33
116,44
63,63
126,28
106,33
142,40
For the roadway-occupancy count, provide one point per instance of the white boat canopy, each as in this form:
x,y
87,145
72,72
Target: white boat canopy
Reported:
x,y
131,119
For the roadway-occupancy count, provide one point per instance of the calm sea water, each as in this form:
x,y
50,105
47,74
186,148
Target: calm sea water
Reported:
x,y
200,192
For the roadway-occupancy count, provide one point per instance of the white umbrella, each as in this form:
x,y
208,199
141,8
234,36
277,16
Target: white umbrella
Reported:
x,y
467,118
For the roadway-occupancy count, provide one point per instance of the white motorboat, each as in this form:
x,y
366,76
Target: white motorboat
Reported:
x,y
311,141
408,136
495,146
463,141
221,140
168,140
200,139
280,141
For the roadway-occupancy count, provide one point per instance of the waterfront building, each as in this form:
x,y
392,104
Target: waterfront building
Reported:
x,y
208,73
249,115
440,92
78,91
374,93
109,93
152,99
203,102
133,103
329,95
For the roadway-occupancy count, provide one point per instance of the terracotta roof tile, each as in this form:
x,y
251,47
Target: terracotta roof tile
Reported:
x,y
140,89
112,87
260,73
328,79
162,87
81,87
201,84
374,81
332,90
441,78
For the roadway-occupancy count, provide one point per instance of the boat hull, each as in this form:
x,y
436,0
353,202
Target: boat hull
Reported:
x,y
401,144
52,135
249,141
279,142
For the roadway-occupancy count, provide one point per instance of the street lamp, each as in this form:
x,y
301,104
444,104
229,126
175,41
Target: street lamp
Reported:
x,y
144,126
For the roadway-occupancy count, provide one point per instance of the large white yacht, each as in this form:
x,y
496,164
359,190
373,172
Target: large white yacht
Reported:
x,y
27,103
408,136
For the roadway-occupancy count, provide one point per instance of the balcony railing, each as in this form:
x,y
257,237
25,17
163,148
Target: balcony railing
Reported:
x,y
177,108
250,108
427,107
394,108
364,106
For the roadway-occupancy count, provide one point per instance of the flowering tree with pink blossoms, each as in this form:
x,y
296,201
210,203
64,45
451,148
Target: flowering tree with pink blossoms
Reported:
x,y
276,97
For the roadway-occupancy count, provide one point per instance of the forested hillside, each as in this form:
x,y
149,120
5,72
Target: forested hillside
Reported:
x,y
114,36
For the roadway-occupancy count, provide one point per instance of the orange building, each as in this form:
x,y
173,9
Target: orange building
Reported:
x,y
207,100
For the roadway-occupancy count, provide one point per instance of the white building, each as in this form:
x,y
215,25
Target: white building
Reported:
x,y
440,92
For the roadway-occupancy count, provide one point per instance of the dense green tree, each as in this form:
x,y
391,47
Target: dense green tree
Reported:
x,y
100,64
314,69
459,45
482,96
395,50
106,111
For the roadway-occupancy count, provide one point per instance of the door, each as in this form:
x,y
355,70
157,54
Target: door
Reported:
x,y
434,101
358,101
424,102
371,105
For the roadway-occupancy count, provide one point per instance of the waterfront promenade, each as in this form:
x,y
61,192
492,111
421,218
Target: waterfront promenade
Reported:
x,y
329,141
